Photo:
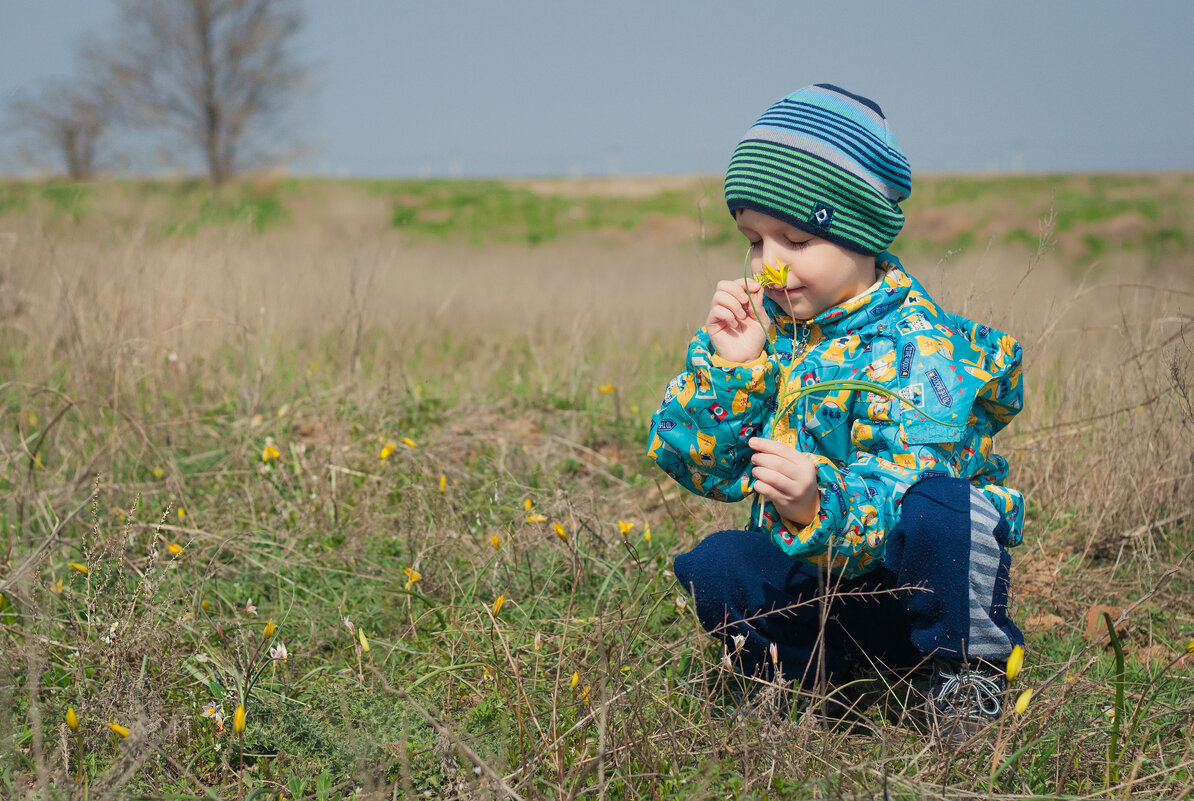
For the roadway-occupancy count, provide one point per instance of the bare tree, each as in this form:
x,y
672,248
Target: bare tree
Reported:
x,y
220,74
67,117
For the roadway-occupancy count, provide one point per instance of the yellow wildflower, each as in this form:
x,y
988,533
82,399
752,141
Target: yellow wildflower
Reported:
x,y
55,588
386,450
408,442
776,276
72,719
536,518
270,453
364,641
1015,662
647,532
575,678
1190,647
412,576
559,530
270,628
205,605
624,527
443,482
76,566
119,730
181,513
158,473
175,548
584,696
526,504
605,389
495,541
498,603
1023,701
239,720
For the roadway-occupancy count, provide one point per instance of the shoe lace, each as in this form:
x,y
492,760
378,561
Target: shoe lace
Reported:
x,y
982,695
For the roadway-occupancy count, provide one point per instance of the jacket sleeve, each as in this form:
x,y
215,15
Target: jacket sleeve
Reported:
x,y
699,434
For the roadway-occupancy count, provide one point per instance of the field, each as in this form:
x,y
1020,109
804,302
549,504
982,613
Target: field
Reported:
x,y
399,428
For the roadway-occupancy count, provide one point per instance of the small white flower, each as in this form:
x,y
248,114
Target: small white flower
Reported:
x,y
218,747
739,641
348,625
773,649
279,652
250,609
725,661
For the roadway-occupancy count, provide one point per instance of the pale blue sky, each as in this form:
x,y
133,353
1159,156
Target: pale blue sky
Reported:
x,y
506,87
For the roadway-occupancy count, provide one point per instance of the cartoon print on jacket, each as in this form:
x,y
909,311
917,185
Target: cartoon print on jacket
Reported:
x,y
959,383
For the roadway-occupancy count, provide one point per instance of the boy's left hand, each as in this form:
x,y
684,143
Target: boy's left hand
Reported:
x,y
787,478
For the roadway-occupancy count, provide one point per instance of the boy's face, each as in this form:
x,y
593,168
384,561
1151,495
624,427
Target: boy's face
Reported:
x,y
820,274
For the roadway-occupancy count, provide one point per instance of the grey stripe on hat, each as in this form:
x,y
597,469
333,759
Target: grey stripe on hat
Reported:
x,y
986,640
821,149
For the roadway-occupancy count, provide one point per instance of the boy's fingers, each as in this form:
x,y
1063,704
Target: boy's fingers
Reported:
x,y
775,464
764,445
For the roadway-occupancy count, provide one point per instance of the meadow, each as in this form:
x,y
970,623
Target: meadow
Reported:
x,y
338,489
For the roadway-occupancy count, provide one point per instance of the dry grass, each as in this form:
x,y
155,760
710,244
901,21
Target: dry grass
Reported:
x,y
156,369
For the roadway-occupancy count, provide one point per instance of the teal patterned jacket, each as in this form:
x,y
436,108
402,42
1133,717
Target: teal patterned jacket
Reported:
x,y
958,384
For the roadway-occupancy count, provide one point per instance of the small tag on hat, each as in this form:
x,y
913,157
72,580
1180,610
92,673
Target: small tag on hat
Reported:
x,y
822,216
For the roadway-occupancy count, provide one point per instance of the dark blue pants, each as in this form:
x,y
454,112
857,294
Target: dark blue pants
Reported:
x,y
941,591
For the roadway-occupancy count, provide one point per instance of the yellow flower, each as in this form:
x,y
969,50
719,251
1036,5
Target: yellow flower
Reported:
x,y
498,603
412,576
121,731
1015,662
605,389
443,482
55,588
270,628
1190,647
575,678
175,548
72,719
584,696
76,566
205,605
238,720
624,527
526,504
1023,701
563,535
536,518
181,513
158,473
773,276
31,418
270,453
364,641
647,532
386,450
495,541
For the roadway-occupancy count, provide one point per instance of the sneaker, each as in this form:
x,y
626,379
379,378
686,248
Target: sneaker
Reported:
x,y
963,701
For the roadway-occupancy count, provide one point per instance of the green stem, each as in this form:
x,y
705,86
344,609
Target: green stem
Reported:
x,y
1113,746
855,384
770,343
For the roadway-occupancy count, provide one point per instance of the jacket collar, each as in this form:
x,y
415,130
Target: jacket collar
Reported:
x,y
855,314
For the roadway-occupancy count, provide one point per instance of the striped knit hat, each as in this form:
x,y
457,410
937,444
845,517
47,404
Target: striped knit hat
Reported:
x,y
823,160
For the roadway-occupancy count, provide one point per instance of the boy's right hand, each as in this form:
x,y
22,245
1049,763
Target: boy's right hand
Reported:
x,y
734,331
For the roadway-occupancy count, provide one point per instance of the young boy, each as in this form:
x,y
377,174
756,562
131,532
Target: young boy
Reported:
x,y
879,522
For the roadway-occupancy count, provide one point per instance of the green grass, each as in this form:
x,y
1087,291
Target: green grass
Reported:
x,y
449,700
322,535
